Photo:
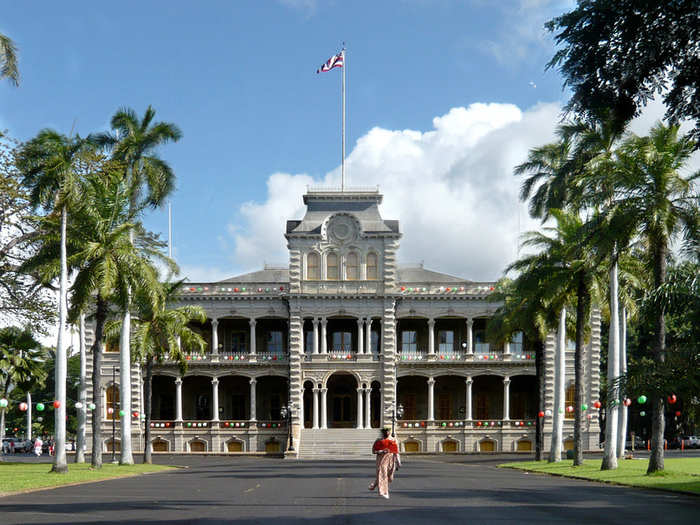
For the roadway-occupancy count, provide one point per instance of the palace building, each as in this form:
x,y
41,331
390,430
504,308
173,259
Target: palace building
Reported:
x,y
341,341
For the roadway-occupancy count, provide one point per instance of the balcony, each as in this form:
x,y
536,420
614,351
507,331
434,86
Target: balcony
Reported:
x,y
238,357
342,287
476,424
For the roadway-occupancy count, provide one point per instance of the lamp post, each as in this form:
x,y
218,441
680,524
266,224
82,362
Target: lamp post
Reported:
x,y
114,418
397,412
286,412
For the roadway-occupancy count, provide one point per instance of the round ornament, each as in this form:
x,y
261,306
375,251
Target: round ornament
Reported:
x,y
596,404
584,407
672,399
627,402
23,406
547,412
569,409
78,405
642,399
56,404
678,413
642,413
91,406
540,414
110,410
40,407
3,403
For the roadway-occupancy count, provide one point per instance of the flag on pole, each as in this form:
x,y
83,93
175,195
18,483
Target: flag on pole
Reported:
x,y
334,61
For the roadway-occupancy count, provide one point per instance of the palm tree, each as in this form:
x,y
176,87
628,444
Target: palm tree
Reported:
x,y
107,265
49,165
8,60
569,269
662,203
149,180
161,333
21,359
525,309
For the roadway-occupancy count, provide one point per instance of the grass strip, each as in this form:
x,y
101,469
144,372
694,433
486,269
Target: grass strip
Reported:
x,y
23,477
680,474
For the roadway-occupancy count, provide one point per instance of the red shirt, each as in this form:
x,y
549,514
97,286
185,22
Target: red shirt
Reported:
x,y
384,444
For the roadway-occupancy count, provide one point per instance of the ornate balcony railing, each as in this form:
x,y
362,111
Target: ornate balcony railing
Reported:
x,y
342,287
474,424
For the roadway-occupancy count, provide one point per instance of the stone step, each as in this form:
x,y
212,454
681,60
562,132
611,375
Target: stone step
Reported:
x,y
337,443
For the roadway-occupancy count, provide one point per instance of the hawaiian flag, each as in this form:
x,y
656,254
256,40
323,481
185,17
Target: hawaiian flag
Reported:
x,y
334,61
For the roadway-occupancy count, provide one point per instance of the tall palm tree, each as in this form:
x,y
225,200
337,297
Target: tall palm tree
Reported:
x,y
8,60
662,203
525,309
107,263
49,164
161,333
149,180
569,267
21,360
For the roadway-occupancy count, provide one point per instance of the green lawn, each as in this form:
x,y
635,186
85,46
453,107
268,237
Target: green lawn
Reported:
x,y
680,474
16,477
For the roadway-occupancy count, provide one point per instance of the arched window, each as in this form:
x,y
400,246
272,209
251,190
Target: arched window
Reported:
x,y
312,266
570,397
352,267
112,402
372,267
332,267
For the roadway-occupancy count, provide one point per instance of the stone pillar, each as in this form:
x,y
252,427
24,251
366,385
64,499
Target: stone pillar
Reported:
x,y
324,342
468,407
178,399
215,399
315,408
360,418
314,322
368,336
506,348
253,399
252,323
506,398
368,408
470,336
214,336
360,338
431,399
431,336
324,412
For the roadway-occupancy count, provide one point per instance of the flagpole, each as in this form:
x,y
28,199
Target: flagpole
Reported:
x,y
342,168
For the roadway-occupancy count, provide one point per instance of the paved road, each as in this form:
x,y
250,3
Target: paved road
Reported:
x,y
427,490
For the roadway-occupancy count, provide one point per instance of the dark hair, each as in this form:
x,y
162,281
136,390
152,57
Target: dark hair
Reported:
x,y
385,432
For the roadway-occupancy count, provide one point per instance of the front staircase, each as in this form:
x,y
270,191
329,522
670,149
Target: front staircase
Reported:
x,y
337,443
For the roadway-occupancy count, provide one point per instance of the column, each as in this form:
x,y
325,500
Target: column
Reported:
x,y
214,336
315,409
506,347
314,322
506,398
431,336
215,398
178,399
360,338
360,418
431,399
253,400
252,323
324,412
324,342
368,408
468,407
368,336
470,336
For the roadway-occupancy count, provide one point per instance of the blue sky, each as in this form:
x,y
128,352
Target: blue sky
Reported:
x,y
457,86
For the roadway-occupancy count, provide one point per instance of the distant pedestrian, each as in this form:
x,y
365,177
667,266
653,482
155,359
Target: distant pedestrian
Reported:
x,y
12,447
38,443
387,452
51,447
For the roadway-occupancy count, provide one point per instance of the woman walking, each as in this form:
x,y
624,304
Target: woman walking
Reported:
x,y
387,452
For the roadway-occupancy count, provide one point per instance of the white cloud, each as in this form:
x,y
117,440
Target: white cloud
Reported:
x,y
451,188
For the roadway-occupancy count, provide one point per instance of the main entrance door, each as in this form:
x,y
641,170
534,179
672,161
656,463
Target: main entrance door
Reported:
x,y
342,401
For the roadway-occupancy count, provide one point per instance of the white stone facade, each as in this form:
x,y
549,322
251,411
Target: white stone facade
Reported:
x,y
343,335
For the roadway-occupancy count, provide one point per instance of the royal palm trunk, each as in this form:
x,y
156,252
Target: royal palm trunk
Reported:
x,y
100,317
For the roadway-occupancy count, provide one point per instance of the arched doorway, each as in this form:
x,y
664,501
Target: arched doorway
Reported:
x,y
308,401
342,401
375,402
